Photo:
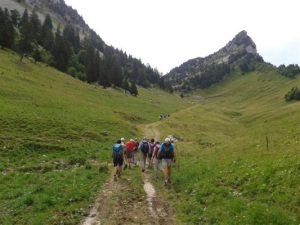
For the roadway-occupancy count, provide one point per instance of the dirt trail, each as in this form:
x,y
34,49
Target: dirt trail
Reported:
x,y
120,203
161,212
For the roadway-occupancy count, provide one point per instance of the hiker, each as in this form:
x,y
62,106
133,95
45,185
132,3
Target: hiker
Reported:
x,y
118,158
135,151
154,160
130,147
144,147
167,155
149,156
124,150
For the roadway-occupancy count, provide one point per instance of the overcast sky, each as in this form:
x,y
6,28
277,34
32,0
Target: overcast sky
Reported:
x,y
166,33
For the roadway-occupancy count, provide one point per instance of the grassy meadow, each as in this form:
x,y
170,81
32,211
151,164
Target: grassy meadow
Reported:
x,y
225,173
56,134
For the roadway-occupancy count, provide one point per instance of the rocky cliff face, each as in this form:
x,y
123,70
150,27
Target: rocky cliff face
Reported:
x,y
58,10
203,72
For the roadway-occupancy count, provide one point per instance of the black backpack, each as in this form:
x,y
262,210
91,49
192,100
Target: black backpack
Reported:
x,y
145,147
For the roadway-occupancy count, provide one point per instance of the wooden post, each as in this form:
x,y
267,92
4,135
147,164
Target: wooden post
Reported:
x,y
267,142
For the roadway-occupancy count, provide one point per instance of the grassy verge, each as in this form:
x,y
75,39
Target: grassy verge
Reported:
x,y
226,173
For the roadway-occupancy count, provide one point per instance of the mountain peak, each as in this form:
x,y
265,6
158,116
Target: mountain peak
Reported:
x,y
242,42
203,72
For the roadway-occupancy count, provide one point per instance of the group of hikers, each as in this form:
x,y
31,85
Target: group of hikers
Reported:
x,y
163,117
149,152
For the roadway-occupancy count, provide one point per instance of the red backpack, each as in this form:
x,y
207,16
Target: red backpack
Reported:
x,y
130,146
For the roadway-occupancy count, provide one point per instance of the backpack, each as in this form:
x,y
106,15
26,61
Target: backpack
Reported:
x,y
145,147
152,146
166,152
117,150
130,146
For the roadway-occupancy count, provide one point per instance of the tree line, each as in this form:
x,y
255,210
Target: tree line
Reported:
x,y
84,56
290,71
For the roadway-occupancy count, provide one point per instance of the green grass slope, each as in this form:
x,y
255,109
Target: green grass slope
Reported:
x,y
225,172
55,133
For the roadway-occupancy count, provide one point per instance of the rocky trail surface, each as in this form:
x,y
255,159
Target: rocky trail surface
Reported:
x,y
121,202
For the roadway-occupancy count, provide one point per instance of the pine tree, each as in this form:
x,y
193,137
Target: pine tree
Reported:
x,y
116,74
91,64
36,27
15,17
72,37
133,89
47,39
126,85
7,31
61,52
26,37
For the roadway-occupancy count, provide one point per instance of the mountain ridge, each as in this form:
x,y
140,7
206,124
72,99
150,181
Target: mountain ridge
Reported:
x,y
241,49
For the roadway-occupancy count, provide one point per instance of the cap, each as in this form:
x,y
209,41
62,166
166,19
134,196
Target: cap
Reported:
x,y
167,140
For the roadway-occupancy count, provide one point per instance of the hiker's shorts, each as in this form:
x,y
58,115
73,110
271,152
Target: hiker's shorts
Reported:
x,y
118,161
166,163
129,155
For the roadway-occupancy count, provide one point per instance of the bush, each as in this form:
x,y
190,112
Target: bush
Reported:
x,y
293,94
79,161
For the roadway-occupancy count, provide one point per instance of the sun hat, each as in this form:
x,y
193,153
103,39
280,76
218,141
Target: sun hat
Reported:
x,y
167,140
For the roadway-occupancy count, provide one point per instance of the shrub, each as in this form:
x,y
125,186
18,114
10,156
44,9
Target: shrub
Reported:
x,y
293,94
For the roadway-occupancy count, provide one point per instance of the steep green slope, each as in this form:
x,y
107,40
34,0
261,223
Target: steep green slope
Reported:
x,y
225,172
55,134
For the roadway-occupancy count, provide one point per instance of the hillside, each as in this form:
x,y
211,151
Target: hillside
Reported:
x,y
227,172
55,34
56,132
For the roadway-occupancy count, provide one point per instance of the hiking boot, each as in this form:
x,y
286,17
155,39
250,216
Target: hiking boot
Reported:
x,y
119,175
125,167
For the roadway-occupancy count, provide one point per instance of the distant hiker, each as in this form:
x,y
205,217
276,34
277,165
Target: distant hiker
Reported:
x,y
144,147
118,158
154,159
124,149
167,155
130,147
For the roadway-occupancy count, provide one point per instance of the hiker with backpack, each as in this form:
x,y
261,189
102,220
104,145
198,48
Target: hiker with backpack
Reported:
x,y
144,148
154,159
124,150
150,152
130,147
118,158
136,146
167,155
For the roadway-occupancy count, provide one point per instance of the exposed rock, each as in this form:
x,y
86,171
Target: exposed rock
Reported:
x,y
203,72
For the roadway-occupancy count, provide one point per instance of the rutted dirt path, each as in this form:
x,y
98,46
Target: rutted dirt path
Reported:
x,y
120,203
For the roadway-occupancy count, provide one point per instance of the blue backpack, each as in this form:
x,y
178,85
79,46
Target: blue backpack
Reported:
x,y
166,152
117,150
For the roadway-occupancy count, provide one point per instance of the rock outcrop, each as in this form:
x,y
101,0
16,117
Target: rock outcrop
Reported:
x,y
203,72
